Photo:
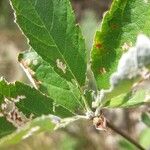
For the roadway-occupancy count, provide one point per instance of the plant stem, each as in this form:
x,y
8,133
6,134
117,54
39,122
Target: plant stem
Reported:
x,y
127,137
88,109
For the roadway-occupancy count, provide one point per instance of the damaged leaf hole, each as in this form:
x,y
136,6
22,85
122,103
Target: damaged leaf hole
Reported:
x,y
30,73
126,46
12,113
61,65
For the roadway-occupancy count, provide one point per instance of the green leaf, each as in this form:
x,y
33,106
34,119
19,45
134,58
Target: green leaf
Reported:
x,y
40,124
20,103
45,79
5,127
144,138
129,77
50,28
126,145
146,119
125,100
119,29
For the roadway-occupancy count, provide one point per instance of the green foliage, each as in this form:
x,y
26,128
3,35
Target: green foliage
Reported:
x,y
125,145
144,138
146,119
68,143
128,100
56,66
118,31
37,125
50,28
48,81
20,103
5,127
26,99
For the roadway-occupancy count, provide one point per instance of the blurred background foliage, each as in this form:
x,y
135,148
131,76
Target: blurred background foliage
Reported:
x,y
80,135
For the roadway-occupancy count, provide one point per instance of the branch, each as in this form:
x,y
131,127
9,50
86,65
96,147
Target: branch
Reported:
x,y
127,137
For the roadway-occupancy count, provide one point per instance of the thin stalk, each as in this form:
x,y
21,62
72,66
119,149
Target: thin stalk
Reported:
x,y
127,137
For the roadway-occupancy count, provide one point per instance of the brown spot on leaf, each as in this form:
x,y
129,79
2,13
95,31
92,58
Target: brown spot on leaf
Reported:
x,y
114,26
12,114
98,45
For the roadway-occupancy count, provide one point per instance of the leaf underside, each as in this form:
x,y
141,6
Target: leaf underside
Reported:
x,y
146,119
129,100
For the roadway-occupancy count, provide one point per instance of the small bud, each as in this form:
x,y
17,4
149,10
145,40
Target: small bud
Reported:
x,y
100,122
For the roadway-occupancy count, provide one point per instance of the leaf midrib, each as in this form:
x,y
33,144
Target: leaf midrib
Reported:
x,y
68,91
53,40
